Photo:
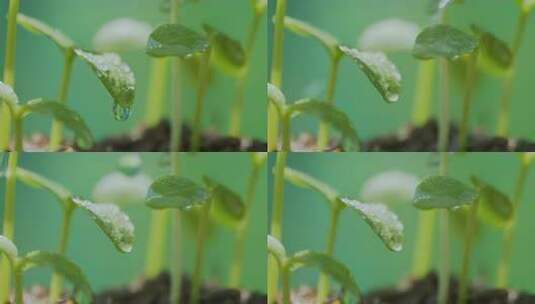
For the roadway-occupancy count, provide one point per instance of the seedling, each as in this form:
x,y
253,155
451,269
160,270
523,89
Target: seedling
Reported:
x,y
382,221
326,264
327,113
382,73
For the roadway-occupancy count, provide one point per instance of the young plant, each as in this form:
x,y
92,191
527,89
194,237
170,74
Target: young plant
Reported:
x,y
382,221
326,264
327,113
382,73
115,75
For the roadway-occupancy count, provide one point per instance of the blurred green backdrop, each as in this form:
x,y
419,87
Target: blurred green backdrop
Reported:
x,y
306,216
306,63
39,62
38,217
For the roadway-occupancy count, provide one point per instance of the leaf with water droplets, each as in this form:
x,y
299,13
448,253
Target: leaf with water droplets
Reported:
x,y
62,113
443,41
442,192
122,189
7,95
382,73
495,56
383,222
306,181
122,35
227,205
389,35
227,53
176,192
8,248
389,187
276,249
494,206
175,40
38,181
307,30
117,78
112,221
37,27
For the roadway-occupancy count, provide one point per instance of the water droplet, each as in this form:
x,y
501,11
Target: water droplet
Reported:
x,y
121,113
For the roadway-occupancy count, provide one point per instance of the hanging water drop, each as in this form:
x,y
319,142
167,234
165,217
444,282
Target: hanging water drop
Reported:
x,y
121,113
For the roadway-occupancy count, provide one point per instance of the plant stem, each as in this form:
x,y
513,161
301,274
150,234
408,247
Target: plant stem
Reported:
x,y
444,272
176,262
505,105
323,135
276,223
9,71
467,254
199,261
467,101
276,71
285,277
17,122
157,88
56,286
424,92
285,126
507,245
56,133
19,287
176,106
424,243
201,96
444,128
9,223
323,284
157,243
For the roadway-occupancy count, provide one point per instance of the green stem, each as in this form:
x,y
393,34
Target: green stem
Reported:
x,y
323,284
176,106
9,223
444,272
323,135
467,101
176,262
56,286
199,261
19,287
276,223
424,243
157,243
467,254
424,92
286,131
157,88
19,133
285,278
201,96
56,133
276,71
444,128
9,71
505,105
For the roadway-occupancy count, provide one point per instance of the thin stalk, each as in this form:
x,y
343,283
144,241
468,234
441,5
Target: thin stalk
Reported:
x,y
17,122
199,261
9,223
276,223
176,106
157,88
424,92
467,254
285,130
176,262
444,271
323,284
19,288
507,245
444,129
276,71
9,71
424,243
323,135
56,133
202,89
56,285
156,247
467,101
285,277
505,105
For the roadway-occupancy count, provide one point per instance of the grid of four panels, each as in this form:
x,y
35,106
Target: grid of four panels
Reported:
x,y
266,151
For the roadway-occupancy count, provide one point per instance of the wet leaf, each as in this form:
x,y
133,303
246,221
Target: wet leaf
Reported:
x,y
122,189
62,113
443,192
276,248
443,41
61,265
495,207
37,27
175,40
306,181
8,248
115,75
227,53
307,30
35,180
382,73
112,221
227,206
383,222
389,187
7,95
122,35
176,192
495,56
389,35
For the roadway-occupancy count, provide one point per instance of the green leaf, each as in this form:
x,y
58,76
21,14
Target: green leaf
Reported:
x,y
495,56
306,30
382,73
389,35
62,113
176,192
327,265
443,192
117,78
122,35
37,27
35,180
227,53
330,115
389,187
526,5
7,95
303,180
61,265
175,40
494,206
276,249
443,41
122,189
383,222
227,205
112,221
8,248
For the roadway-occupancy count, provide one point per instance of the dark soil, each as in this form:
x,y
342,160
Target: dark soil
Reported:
x,y
156,291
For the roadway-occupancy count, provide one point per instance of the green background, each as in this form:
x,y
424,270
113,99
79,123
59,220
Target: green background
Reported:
x,y
38,217
306,216
306,63
39,62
